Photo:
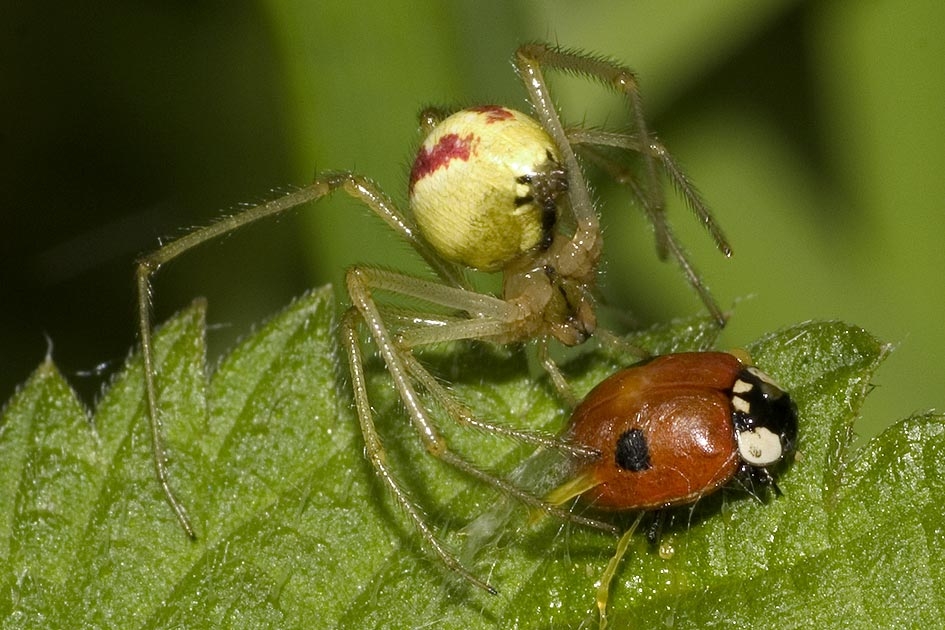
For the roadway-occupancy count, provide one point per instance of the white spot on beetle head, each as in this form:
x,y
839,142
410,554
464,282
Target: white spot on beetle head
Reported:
x,y
764,378
740,404
740,387
759,446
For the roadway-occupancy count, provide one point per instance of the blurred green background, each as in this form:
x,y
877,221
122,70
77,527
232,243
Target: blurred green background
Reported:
x,y
815,130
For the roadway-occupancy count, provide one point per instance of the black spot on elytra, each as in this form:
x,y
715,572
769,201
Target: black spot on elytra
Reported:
x,y
632,452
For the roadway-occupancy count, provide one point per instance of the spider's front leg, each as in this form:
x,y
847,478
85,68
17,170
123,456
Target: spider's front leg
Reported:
x,y
531,57
646,188
589,143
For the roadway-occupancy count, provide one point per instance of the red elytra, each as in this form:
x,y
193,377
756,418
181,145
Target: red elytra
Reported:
x,y
675,413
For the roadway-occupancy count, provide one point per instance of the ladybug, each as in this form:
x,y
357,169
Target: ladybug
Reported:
x,y
676,428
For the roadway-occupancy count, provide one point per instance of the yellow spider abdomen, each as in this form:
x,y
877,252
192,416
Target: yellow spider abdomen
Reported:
x,y
472,186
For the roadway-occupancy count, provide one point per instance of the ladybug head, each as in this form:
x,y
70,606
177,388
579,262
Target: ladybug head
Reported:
x,y
765,419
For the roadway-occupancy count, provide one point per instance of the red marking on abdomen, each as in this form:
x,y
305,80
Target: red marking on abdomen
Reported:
x,y
450,147
494,113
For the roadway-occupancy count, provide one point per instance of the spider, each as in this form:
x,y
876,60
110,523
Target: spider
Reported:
x,y
491,189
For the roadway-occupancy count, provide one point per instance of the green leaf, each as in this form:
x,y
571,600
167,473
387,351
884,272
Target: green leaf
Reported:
x,y
294,530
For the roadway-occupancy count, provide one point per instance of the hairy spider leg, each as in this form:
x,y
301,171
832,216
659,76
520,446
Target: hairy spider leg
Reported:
x,y
529,60
405,369
587,141
373,447
356,186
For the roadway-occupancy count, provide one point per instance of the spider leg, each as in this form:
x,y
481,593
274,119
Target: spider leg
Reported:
x,y
405,370
374,448
666,238
355,185
529,60
588,138
495,319
618,346
463,416
561,384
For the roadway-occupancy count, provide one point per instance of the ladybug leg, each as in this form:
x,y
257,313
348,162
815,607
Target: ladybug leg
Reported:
x,y
755,479
655,531
768,480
